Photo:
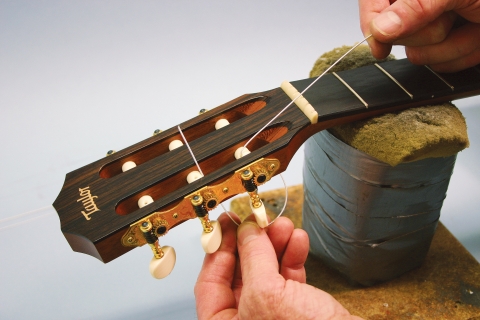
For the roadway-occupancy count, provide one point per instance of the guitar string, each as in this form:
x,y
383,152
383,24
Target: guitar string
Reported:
x,y
189,149
10,222
285,203
200,169
301,93
188,146
221,204
289,104
269,122
254,136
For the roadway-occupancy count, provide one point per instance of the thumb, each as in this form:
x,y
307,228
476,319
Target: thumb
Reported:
x,y
405,17
258,260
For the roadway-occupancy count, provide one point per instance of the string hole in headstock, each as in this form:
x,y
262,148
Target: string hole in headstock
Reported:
x,y
261,178
211,204
161,230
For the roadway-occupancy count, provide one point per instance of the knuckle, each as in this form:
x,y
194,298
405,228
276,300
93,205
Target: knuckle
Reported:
x,y
414,55
423,8
438,32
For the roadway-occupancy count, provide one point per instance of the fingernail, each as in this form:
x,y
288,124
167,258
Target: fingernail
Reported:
x,y
387,23
247,232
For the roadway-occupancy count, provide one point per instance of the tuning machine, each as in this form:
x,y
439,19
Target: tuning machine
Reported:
x,y
198,205
212,232
250,181
164,258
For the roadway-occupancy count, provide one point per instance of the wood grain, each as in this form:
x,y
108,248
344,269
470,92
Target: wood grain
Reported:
x,y
161,173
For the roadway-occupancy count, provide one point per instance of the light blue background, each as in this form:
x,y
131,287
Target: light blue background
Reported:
x,y
78,78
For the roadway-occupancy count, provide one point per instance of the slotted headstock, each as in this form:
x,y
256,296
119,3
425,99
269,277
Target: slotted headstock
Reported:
x,y
98,204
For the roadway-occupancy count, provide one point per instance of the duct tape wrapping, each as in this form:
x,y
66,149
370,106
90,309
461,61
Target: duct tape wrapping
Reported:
x,y
365,218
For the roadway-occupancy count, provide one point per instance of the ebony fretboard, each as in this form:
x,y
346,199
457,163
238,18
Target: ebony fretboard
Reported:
x,y
331,98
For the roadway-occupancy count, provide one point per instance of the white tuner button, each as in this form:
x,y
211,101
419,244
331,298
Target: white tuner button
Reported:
x,y
160,268
144,200
193,176
241,152
128,165
211,241
175,144
221,123
260,215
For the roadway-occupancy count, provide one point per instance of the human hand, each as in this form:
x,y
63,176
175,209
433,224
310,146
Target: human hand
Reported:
x,y
426,29
265,279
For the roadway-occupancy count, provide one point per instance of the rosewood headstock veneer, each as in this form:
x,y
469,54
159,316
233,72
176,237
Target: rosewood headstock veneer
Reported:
x,y
106,210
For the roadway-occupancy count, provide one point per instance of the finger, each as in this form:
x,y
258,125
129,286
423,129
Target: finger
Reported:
x,y
237,281
292,266
433,33
213,291
405,17
471,60
369,9
252,218
257,256
279,233
459,45
237,284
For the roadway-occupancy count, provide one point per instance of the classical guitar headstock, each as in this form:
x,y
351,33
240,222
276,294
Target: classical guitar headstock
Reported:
x,y
134,196
138,194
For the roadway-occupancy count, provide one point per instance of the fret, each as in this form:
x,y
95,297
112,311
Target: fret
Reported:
x,y
331,99
394,80
350,88
418,80
328,97
373,86
385,88
441,78
466,79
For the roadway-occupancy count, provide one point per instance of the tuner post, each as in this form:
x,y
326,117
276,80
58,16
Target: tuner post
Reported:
x,y
202,213
147,229
198,206
248,181
206,224
212,231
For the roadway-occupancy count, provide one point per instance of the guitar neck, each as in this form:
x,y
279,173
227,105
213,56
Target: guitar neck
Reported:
x,y
393,84
98,203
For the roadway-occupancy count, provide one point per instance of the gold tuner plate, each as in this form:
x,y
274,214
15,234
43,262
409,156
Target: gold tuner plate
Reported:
x,y
212,196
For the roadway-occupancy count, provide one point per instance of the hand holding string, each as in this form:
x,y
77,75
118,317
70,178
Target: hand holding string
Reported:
x,y
442,34
264,278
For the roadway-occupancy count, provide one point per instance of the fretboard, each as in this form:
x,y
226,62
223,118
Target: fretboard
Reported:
x,y
411,86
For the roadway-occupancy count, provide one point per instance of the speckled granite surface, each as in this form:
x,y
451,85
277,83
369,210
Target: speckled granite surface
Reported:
x,y
446,286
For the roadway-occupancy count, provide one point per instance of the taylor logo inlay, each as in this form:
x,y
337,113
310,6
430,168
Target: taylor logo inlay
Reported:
x,y
88,202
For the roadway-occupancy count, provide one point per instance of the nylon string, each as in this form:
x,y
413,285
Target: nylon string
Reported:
x,y
292,102
193,156
200,169
308,87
